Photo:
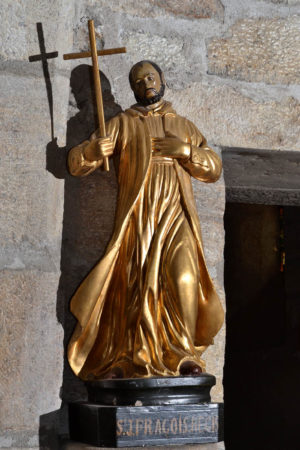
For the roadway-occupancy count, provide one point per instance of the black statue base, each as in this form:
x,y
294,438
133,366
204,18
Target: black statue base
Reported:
x,y
148,412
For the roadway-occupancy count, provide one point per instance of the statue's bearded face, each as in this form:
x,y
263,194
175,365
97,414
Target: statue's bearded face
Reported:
x,y
147,84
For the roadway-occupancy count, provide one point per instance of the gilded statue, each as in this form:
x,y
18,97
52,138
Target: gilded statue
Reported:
x,y
149,307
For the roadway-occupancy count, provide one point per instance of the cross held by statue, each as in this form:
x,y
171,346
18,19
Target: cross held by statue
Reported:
x,y
94,53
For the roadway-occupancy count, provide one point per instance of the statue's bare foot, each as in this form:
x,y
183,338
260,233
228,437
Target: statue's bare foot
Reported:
x,y
190,368
114,373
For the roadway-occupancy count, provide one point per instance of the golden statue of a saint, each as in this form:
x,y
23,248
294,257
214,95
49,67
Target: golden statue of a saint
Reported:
x,y
149,307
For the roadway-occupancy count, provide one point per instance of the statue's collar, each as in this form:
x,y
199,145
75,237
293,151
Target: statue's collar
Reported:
x,y
160,108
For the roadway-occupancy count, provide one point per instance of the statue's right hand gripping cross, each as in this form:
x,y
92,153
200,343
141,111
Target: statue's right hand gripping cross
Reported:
x,y
94,53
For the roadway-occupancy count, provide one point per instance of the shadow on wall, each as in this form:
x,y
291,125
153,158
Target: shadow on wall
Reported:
x,y
48,436
87,224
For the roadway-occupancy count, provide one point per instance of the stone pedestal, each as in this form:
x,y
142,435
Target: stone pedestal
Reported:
x,y
148,412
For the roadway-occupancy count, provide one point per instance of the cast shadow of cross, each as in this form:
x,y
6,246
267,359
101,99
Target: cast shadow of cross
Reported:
x,y
89,205
43,57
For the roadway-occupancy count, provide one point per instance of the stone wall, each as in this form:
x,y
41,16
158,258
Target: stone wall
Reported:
x,y
232,67
31,351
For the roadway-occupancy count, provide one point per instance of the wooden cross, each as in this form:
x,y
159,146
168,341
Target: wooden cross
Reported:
x,y
44,56
94,53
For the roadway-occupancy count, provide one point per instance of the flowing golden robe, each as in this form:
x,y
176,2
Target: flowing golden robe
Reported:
x,y
149,304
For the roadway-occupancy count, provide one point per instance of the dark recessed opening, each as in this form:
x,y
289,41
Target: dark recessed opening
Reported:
x,y
262,359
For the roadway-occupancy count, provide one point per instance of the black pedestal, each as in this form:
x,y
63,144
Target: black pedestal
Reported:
x,y
148,411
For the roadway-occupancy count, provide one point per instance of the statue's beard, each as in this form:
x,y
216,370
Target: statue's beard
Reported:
x,y
150,101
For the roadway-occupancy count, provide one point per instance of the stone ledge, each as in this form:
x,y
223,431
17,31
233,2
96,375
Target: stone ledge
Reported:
x,y
261,176
247,194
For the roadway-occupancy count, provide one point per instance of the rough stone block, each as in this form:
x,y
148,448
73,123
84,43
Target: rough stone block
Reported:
x,y
26,115
210,197
214,357
163,39
258,49
213,239
210,201
31,228
20,145
285,2
230,118
31,350
22,19
163,50
177,55
189,9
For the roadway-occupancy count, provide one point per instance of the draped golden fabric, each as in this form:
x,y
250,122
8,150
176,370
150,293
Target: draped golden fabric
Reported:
x,y
149,304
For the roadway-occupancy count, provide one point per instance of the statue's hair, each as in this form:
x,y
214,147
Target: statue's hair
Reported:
x,y
139,64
